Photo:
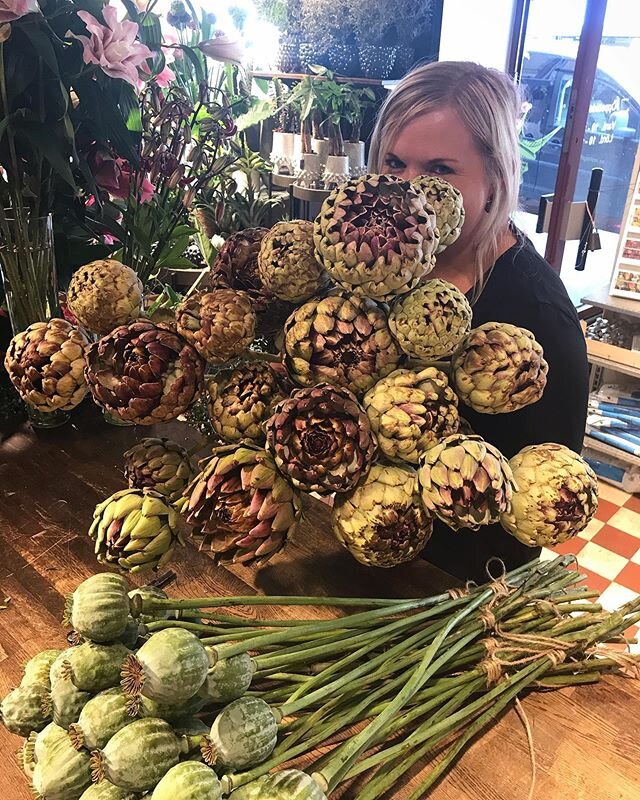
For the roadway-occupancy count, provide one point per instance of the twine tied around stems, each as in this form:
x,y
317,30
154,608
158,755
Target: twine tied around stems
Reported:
x,y
457,593
628,663
527,647
487,618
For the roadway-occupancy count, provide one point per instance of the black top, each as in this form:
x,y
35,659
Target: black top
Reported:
x,y
523,290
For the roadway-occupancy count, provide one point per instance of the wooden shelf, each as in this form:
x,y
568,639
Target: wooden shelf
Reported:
x,y
610,450
616,366
298,76
621,305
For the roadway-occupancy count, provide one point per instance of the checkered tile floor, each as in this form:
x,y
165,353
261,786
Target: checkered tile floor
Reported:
x,y
608,550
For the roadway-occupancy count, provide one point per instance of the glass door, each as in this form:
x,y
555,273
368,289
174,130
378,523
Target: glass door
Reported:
x,y
551,39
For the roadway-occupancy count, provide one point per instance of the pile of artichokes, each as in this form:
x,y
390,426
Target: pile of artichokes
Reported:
x,y
364,401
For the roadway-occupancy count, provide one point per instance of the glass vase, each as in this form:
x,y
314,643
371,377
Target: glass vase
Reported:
x,y
27,269
27,265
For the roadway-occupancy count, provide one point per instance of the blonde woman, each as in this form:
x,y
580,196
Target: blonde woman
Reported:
x,y
459,120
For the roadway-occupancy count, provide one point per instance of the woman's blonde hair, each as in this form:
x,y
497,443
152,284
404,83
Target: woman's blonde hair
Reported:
x,y
489,104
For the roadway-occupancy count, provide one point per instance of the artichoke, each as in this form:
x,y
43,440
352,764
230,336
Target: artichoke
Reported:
x,y
104,294
555,498
241,506
236,266
498,368
240,405
343,340
219,324
430,321
465,482
144,373
375,236
46,365
411,411
382,522
321,439
159,464
136,530
446,201
287,262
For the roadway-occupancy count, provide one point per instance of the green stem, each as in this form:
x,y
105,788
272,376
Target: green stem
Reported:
x,y
351,750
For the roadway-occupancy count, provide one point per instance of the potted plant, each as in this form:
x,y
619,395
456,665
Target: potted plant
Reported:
x,y
327,28
283,147
357,101
373,23
304,99
331,97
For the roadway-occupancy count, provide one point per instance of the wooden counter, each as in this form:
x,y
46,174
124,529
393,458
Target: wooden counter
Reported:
x,y
586,739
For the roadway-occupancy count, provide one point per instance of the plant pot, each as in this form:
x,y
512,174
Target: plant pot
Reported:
x,y
321,147
377,60
310,176
289,53
306,55
27,267
355,153
336,171
282,153
405,59
343,59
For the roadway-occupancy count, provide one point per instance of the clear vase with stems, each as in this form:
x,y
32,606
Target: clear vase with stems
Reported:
x,y
27,268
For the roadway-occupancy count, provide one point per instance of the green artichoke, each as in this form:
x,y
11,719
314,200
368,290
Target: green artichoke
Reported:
x,y
446,201
104,294
410,412
466,482
159,464
220,324
240,405
555,498
342,339
321,439
287,263
429,322
144,373
241,506
376,235
498,368
382,522
135,529
45,363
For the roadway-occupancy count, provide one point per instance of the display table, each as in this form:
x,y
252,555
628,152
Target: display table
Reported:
x,y
585,738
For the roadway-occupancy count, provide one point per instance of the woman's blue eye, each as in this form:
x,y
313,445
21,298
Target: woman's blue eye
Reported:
x,y
440,169
393,163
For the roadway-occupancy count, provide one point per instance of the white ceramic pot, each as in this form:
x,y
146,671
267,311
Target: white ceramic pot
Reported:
x,y
336,171
355,152
321,147
282,153
310,175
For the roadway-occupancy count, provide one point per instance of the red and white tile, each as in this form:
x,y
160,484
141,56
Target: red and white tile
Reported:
x,y
608,550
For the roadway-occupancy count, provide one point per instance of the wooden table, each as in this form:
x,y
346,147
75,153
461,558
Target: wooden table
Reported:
x,y
586,739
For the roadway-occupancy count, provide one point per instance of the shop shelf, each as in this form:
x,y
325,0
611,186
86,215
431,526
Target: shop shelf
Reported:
x,y
610,450
298,76
621,305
